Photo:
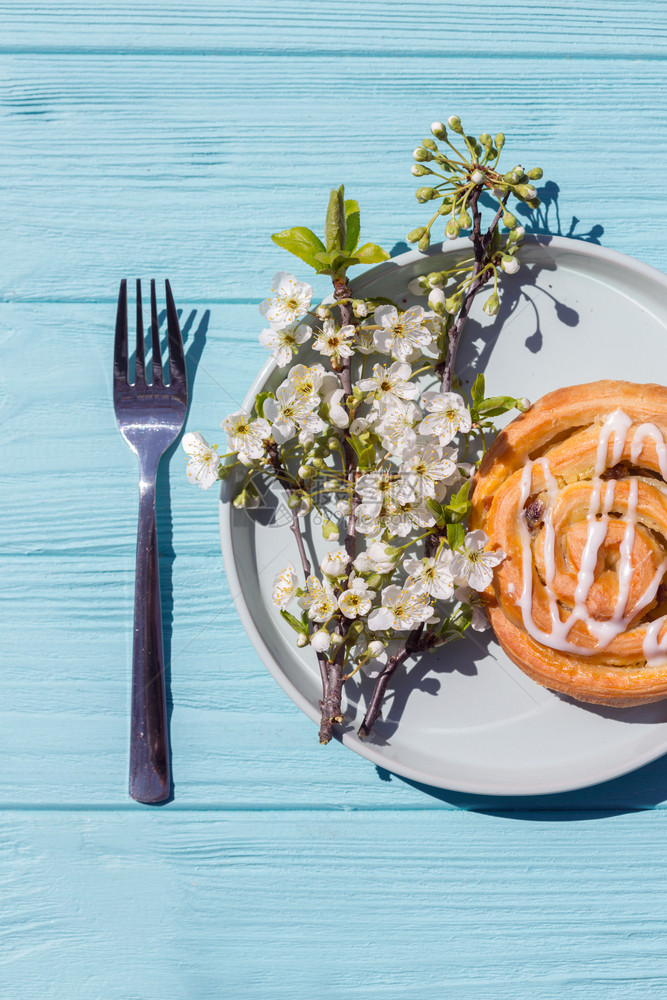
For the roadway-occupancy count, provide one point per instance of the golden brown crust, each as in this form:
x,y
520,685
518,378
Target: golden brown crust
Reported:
x,y
563,428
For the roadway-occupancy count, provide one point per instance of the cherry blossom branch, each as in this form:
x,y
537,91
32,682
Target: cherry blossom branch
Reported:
x,y
295,527
445,368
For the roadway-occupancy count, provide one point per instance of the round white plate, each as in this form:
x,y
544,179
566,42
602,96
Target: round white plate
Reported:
x,y
465,717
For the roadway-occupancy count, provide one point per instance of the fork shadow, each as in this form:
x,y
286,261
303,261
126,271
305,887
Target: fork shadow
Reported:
x,y
194,339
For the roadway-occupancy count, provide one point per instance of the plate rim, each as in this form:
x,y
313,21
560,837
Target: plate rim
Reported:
x,y
363,748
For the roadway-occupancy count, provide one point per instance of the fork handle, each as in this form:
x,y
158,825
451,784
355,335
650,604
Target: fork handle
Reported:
x,y
150,779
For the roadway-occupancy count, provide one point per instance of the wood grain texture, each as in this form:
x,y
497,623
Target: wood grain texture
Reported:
x,y
114,168
115,905
164,139
371,28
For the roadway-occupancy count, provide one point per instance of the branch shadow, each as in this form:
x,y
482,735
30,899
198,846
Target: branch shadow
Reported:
x,y
194,339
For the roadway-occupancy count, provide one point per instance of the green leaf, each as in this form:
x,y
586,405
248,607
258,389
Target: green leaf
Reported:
x,y
353,220
335,226
495,405
371,253
459,502
259,402
455,535
367,457
294,622
300,241
437,511
477,391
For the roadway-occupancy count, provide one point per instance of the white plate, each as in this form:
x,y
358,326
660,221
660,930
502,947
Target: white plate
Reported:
x,y
464,717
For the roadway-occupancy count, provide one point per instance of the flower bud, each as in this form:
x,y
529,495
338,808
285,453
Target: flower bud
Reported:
x,y
533,203
376,647
486,140
509,220
453,303
320,640
359,308
491,305
477,176
317,463
438,129
498,192
307,472
421,155
436,301
306,507
429,144
516,234
535,173
415,235
452,230
419,170
523,404
336,639
419,286
436,279
425,193
464,220
294,500
332,443
454,123
424,242
526,191
510,265
500,141
301,640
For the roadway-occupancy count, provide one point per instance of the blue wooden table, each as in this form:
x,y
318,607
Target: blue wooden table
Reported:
x,y
169,140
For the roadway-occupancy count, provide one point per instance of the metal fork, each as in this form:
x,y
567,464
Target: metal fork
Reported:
x,y
150,418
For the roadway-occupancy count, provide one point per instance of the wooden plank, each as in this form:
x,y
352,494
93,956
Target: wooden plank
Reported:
x,y
67,535
151,904
112,170
564,28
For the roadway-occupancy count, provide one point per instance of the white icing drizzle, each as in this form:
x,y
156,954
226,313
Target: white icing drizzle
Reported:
x,y
617,425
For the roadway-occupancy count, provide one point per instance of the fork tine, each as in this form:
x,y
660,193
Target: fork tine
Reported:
x,y
120,344
155,338
176,356
140,361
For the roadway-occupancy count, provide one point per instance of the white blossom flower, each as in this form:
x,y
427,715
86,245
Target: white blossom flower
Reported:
x,y
304,381
320,640
335,343
203,460
402,519
289,411
284,587
447,416
479,622
335,563
402,608
359,425
423,469
337,413
284,343
472,565
246,435
390,383
375,559
319,600
367,518
377,487
290,300
432,575
400,334
357,599
397,425
343,508
364,341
